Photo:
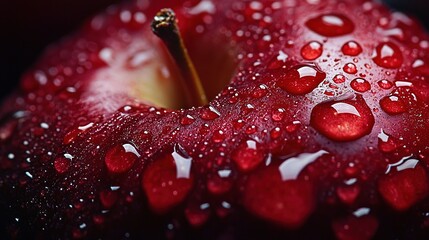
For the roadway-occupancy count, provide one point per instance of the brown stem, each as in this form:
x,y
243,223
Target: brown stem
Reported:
x,y
164,25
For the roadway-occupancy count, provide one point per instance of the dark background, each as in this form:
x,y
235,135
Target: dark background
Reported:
x,y
28,26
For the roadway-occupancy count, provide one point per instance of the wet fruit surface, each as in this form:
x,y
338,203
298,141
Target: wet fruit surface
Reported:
x,y
316,127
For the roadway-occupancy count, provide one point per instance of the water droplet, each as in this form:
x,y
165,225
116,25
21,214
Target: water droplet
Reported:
x,y
339,78
275,133
6,129
106,54
218,136
187,120
388,55
288,203
168,180
238,124
248,155
386,143
220,183
292,167
260,91
108,198
355,227
350,68
385,84
393,105
278,114
343,120
360,85
348,193
331,25
351,48
301,79
61,165
312,50
404,184
121,158
293,126
73,134
210,113
197,215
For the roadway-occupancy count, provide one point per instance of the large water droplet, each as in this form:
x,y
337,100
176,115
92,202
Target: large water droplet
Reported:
x,y
312,50
343,120
388,55
404,184
393,105
121,158
356,227
168,180
301,79
292,167
288,203
331,25
248,155
351,48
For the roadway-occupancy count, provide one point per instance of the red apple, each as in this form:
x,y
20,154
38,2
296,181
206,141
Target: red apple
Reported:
x,y
316,125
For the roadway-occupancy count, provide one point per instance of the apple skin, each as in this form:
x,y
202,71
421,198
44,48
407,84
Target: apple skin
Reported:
x,y
289,148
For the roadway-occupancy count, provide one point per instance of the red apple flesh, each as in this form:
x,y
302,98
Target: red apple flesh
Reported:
x,y
317,126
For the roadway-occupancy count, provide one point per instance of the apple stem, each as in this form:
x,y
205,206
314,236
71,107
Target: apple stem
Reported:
x,y
164,25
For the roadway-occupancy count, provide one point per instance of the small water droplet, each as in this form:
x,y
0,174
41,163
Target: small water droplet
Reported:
x,y
331,25
388,55
7,128
218,136
351,48
278,114
386,143
339,78
301,79
197,215
350,68
385,84
121,158
275,133
187,120
248,155
260,91
210,113
312,50
348,193
343,120
393,105
360,85
220,183
293,126
108,198
61,165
